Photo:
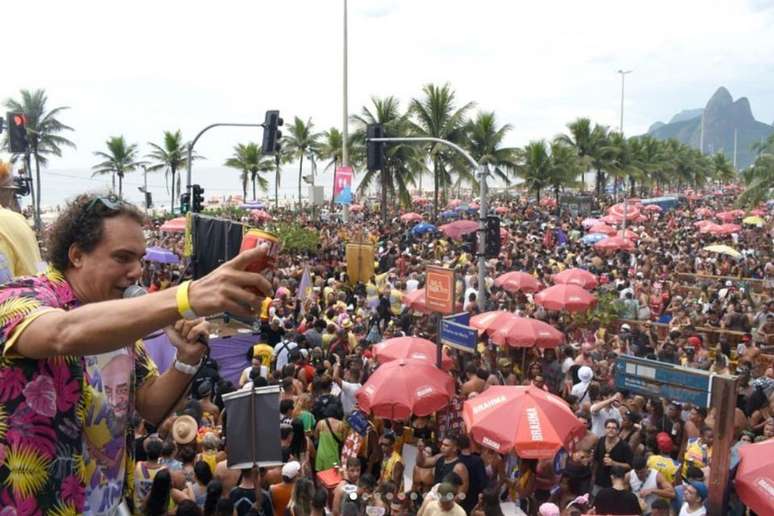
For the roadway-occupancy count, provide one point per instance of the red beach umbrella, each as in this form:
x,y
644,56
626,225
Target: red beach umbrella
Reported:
x,y
570,298
401,388
414,348
528,420
517,281
575,276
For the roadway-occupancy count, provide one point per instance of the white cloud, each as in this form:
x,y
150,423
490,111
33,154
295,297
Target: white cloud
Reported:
x,y
143,67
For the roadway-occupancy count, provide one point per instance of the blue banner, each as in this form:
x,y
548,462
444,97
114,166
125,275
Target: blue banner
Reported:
x,y
459,336
462,318
654,378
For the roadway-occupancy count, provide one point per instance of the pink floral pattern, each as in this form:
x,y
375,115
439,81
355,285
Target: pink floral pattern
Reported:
x,y
40,395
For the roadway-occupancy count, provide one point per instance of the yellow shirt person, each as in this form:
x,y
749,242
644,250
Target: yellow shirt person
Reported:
x,y
19,253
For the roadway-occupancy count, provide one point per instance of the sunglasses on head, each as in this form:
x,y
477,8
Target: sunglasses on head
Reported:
x,y
111,202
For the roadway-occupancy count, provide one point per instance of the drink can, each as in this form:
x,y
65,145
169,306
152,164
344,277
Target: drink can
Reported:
x,y
255,237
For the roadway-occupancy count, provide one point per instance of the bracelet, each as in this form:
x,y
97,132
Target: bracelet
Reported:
x,y
186,368
183,303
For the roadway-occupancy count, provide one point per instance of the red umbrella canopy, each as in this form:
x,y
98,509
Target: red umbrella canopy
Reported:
x,y
459,228
575,276
723,229
570,298
416,301
411,217
490,320
454,203
617,210
708,227
602,228
355,207
401,388
615,243
631,235
525,419
727,216
758,212
260,215
517,281
654,208
500,210
414,348
701,223
754,481
174,226
523,332
704,212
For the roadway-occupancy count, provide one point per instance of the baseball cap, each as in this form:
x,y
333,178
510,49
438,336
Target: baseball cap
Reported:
x,y
701,488
664,442
728,283
446,492
694,341
625,327
291,469
548,509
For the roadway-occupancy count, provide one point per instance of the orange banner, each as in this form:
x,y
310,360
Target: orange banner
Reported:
x,y
439,289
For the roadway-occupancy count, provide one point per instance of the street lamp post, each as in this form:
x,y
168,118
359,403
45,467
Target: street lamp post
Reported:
x,y
345,113
623,73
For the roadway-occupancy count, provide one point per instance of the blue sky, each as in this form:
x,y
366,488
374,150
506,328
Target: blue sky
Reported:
x,y
141,67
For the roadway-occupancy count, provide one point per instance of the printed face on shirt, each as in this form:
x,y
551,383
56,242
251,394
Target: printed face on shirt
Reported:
x,y
115,378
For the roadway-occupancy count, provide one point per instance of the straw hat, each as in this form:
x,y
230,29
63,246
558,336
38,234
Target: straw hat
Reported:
x,y
184,429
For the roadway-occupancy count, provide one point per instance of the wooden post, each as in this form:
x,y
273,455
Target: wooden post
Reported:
x,y
724,402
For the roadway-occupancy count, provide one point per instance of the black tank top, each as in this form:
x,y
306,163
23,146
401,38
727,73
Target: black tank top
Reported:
x,y
442,468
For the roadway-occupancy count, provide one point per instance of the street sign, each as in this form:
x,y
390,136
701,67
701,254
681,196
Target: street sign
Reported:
x,y
439,289
660,379
462,318
458,336
342,185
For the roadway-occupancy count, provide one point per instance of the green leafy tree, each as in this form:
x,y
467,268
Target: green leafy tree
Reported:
x,y
563,168
300,142
758,180
44,131
402,161
119,159
436,115
722,169
171,157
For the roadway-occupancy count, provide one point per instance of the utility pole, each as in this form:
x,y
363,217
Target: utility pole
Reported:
x,y
701,134
735,135
481,172
145,186
345,110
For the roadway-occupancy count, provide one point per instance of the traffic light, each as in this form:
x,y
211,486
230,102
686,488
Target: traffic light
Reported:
x,y
185,203
271,134
197,203
17,132
492,242
374,150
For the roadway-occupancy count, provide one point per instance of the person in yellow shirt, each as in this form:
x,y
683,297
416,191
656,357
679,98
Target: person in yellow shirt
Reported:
x,y
661,461
19,253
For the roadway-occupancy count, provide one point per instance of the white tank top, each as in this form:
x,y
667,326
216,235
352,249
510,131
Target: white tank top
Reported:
x,y
650,483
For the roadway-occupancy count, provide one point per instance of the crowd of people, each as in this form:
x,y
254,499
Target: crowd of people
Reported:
x,y
668,299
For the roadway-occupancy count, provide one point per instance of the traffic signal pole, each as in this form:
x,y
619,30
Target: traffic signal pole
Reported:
x,y
189,185
481,174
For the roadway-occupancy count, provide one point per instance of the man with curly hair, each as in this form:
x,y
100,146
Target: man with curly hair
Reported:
x,y
59,452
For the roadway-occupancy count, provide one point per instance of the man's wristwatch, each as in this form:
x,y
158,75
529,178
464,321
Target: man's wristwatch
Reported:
x,y
186,368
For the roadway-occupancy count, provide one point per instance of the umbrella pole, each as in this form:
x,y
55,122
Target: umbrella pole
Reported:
x,y
523,363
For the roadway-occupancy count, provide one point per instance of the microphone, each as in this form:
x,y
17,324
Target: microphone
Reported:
x,y
134,291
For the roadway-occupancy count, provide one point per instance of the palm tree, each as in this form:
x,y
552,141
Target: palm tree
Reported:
x,y
436,115
759,181
171,156
563,168
247,159
120,159
43,131
332,147
484,142
402,161
534,165
300,142
723,170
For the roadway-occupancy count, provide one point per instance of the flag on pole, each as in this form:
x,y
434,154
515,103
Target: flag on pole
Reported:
x,y
304,287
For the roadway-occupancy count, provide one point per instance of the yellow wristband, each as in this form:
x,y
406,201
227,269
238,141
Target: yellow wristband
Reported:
x,y
183,303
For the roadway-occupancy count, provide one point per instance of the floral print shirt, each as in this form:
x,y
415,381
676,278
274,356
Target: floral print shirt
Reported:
x,y
47,466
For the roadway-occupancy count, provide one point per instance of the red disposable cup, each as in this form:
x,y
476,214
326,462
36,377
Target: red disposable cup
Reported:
x,y
256,237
